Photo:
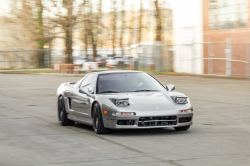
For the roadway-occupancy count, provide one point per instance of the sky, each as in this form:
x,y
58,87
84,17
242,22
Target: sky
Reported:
x,y
106,5
148,4
3,7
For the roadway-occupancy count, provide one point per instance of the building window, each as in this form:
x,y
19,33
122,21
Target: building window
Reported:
x,y
228,14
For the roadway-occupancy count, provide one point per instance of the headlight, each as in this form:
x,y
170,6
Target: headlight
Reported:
x,y
124,113
179,100
120,102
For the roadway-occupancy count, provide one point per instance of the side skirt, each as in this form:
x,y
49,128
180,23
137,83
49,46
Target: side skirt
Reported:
x,y
78,119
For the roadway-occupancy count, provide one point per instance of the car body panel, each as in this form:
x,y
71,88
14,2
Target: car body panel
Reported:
x,y
144,104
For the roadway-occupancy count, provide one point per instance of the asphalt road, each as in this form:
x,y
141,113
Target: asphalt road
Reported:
x,y
31,135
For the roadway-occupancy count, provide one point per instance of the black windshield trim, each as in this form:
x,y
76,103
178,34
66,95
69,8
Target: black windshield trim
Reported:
x,y
109,92
145,90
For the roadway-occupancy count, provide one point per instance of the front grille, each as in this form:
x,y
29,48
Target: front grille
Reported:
x,y
157,121
185,120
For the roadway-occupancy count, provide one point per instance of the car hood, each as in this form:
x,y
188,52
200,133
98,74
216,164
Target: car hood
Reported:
x,y
148,101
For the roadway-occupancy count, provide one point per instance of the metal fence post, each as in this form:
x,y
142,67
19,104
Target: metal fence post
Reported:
x,y
25,59
193,58
28,59
210,60
193,51
44,52
1,62
49,58
248,59
229,57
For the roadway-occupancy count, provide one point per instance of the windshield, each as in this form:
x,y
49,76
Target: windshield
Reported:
x,y
127,82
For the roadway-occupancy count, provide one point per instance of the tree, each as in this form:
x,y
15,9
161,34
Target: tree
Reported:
x,y
140,23
27,21
92,24
158,20
113,25
122,26
25,24
66,21
40,31
131,26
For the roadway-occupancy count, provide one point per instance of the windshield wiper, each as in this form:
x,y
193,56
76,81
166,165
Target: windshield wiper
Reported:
x,y
143,90
109,92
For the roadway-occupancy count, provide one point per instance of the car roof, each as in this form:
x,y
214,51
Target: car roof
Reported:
x,y
118,71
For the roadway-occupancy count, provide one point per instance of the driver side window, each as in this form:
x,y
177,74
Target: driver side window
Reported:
x,y
89,82
77,85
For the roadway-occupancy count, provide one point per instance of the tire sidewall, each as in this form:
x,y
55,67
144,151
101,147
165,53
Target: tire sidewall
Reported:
x,y
61,121
97,129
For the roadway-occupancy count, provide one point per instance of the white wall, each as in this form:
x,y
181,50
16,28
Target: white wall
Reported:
x,y
188,28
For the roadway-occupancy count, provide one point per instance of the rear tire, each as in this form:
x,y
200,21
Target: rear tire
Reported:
x,y
183,128
97,121
62,114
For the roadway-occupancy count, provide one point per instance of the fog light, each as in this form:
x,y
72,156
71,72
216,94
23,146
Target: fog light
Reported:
x,y
185,111
123,113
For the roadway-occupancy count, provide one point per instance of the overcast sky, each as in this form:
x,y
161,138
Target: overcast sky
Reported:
x,y
148,4
3,7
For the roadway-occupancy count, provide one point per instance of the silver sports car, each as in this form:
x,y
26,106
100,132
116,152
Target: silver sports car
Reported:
x,y
123,100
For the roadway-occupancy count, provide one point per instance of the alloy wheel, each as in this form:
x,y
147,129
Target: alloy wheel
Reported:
x,y
96,118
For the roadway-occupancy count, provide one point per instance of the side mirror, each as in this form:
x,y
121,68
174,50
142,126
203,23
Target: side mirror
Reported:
x,y
91,91
83,91
170,87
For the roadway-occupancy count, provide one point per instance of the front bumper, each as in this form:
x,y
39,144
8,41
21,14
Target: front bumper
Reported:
x,y
111,121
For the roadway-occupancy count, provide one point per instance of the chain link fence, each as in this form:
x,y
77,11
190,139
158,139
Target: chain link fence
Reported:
x,y
210,58
27,59
227,58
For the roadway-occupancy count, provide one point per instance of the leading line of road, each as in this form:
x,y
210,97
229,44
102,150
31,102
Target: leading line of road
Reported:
x,y
31,135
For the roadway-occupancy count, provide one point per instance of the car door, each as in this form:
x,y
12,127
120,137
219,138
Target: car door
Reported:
x,y
73,97
80,102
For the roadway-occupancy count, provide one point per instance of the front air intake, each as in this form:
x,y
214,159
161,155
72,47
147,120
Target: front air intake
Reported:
x,y
185,119
125,122
157,121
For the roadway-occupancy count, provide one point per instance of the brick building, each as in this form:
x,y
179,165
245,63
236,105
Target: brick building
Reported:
x,y
226,25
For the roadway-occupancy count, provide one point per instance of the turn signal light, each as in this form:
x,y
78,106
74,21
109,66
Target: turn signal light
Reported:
x,y
105,112
185,111
124,113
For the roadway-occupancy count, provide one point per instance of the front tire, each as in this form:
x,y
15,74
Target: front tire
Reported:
x,y
62,114
97,121
184,128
